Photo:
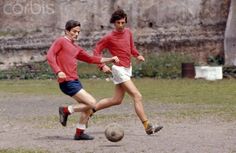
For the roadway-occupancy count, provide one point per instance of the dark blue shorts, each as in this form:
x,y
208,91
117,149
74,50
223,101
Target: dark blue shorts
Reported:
x,y
70,87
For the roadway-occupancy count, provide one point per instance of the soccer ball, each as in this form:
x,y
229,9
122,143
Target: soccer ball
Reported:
x,y
114,132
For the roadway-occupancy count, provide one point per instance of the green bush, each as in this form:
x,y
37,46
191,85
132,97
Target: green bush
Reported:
x,y
38,70
165,65
215,60
41,70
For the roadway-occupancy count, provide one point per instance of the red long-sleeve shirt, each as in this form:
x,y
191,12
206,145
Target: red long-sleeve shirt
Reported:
x,y
63,56
119,44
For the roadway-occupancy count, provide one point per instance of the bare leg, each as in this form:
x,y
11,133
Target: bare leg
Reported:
x,y
87,102
80,107
84,117
131,89
115,100
85,98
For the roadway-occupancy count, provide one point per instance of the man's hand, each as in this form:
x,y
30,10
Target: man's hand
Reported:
x,y
140,58
61,75
115,59
106,69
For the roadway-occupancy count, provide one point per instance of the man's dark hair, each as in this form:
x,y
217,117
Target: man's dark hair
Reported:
x,y
117,15
71,24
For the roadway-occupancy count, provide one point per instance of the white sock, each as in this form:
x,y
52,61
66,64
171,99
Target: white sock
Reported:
x,y
81,126
71,109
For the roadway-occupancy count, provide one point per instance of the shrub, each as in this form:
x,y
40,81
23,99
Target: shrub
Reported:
x,y
37,70
165,65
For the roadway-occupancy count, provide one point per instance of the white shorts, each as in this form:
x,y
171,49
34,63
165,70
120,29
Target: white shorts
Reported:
x,y
121,74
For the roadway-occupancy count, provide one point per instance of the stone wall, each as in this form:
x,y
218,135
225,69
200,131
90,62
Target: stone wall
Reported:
x,y
195,27
230,36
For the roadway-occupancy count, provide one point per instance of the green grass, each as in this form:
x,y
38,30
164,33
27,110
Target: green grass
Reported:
x,y
196,97
30,87
23,150
189,91
181,91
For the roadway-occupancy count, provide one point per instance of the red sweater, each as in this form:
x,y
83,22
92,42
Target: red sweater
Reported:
x,y
119,44
63,56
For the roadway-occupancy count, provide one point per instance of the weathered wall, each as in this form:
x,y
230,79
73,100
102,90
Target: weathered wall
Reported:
x,y
193,26
230,36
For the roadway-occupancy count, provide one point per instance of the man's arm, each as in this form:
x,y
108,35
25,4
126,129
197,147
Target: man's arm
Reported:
x,y
134,51
100,46
51,56
84,56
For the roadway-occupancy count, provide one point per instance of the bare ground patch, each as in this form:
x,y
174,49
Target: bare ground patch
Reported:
x,y
32,122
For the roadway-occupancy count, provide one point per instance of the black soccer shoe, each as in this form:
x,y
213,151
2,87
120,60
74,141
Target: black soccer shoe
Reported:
x,y
63,116
151,129
83,136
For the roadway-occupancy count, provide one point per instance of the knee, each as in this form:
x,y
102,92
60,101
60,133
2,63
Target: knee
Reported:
x,y
93,103
137,96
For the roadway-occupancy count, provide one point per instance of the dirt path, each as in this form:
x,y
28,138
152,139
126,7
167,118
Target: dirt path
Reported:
x,y
31,122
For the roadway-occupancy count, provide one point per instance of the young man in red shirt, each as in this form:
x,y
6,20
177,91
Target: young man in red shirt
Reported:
x,y
62,57
120,43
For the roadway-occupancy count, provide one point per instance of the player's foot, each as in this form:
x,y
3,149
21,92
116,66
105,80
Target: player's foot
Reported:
x,y
83,136
151,129
63,116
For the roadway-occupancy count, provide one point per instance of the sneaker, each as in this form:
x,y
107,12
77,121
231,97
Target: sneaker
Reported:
x,y
83,136
152,129
63,116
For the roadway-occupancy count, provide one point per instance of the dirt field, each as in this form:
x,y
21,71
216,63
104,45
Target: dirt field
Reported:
x,y
31,122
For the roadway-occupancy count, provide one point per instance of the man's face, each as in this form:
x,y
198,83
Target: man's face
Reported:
x,y
73,33
120,24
